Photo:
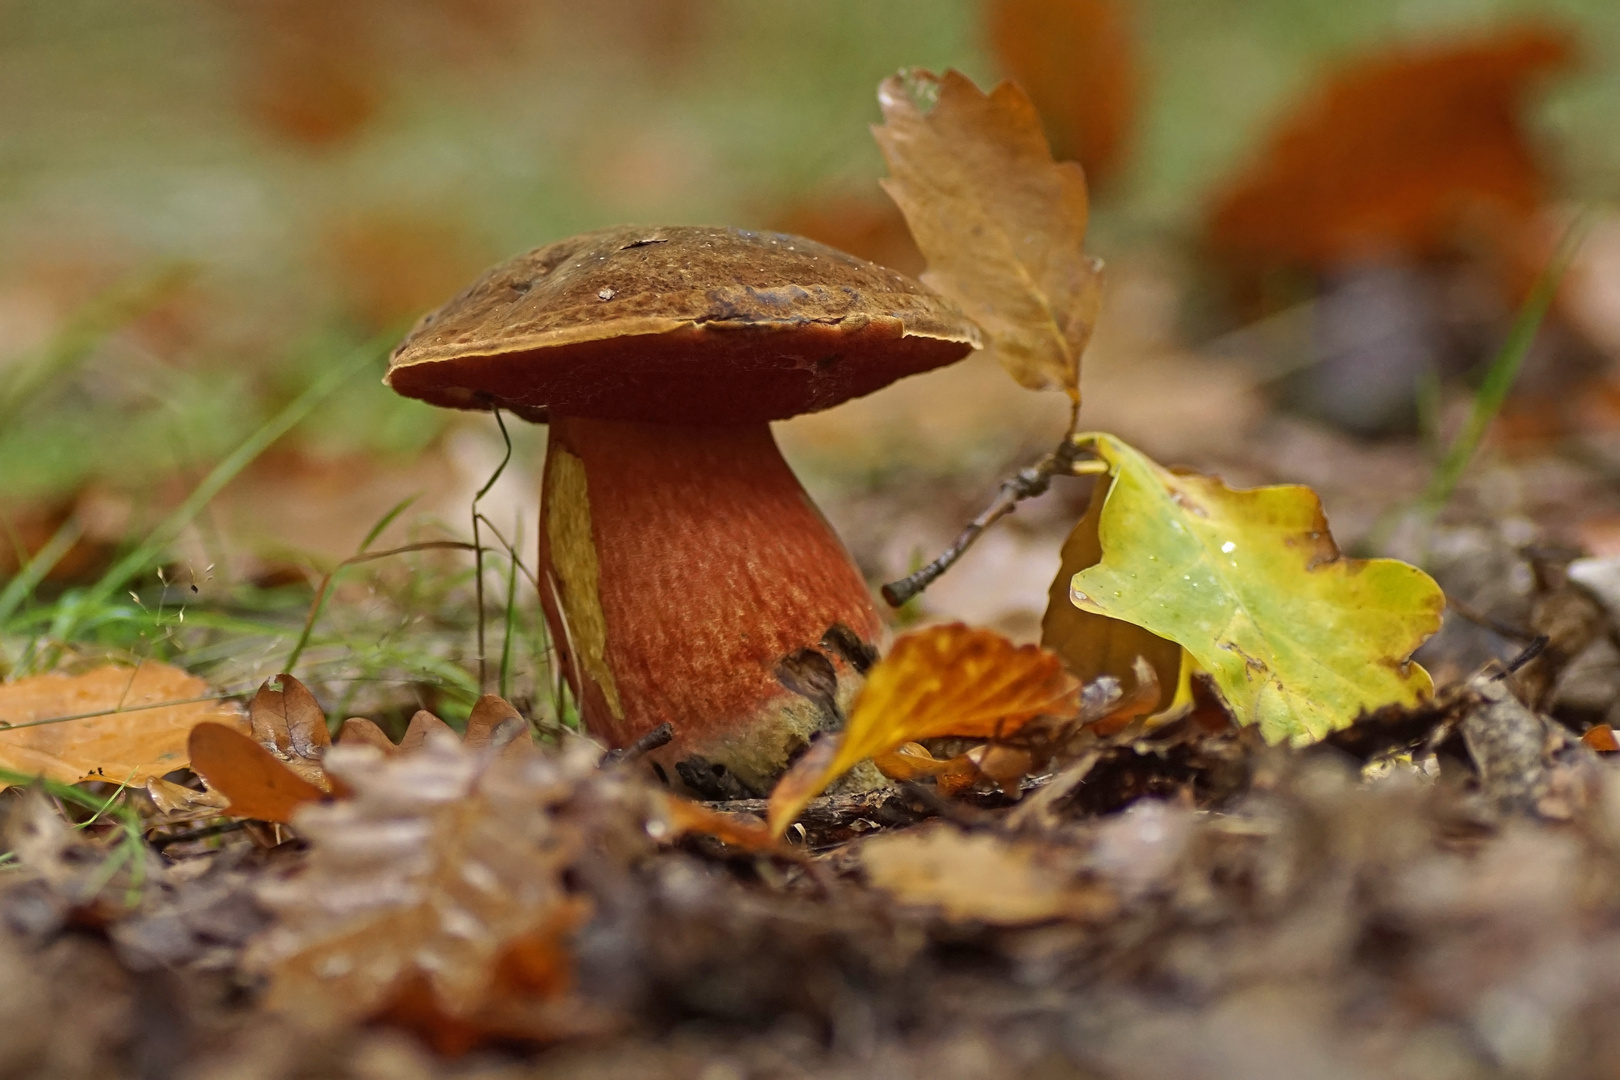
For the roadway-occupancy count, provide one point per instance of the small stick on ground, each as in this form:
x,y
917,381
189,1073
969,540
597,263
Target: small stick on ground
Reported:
x,y
661,735
1066,460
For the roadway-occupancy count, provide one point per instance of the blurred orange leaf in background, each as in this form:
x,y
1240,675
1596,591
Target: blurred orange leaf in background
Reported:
x,y
1400,153
1001,224
150,711
945,680
1077,61
311,76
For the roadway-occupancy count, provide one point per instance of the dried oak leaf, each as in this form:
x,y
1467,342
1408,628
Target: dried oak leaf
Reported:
x,y
134,727
255,782
290,724
1077,60
1298,639
945,680
982,877
435,896
1000,223
1393,155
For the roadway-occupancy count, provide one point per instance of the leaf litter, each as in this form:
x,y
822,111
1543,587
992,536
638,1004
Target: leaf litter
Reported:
x,y
1120,878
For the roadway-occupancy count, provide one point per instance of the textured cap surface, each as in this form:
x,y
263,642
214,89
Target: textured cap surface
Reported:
x,y
680,324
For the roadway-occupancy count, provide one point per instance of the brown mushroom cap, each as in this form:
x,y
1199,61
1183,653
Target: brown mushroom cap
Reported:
x,y
680,325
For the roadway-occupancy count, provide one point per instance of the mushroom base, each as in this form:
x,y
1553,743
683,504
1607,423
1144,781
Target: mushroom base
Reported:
x,y
689,579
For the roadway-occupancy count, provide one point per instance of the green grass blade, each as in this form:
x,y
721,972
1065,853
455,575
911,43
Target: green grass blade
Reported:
x,y
148,550
511,623
1500,376
21,587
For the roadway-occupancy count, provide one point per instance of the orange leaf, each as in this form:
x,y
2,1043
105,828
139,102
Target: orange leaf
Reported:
x,y
1393,155
258,784
739,830
1078,63
140,734
1600,737
945,680
999,222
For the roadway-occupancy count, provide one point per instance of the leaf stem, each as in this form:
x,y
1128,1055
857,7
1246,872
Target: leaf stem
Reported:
x,y
1066,460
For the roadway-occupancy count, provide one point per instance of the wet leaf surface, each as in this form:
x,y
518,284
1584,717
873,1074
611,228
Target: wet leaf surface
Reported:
x,y
1299,639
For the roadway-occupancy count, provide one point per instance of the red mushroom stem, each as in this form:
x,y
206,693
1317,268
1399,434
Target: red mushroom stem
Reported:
x,y
689,579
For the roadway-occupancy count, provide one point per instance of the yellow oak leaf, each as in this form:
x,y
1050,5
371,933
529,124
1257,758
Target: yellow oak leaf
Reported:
x,y
1000,223
126,725
944,680
1297,638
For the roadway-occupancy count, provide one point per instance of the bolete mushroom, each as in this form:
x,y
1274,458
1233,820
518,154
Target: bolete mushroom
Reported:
x,y
686,576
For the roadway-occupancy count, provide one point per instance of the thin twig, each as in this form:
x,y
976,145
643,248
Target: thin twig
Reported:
x,y
662,735
1029,482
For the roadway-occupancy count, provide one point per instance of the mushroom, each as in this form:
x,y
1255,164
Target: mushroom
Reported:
x,y
685,575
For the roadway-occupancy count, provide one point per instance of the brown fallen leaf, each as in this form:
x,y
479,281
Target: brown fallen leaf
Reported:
x,y
134,727
178,802
257,784
423,724
357,729
495,722
1393,155
945,680
981,877
436,896
1077,60
999,222
289,724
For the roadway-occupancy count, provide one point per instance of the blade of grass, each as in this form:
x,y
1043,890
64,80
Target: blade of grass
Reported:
x,y
148,550
511,623
1500,375
21,587
385,521
319,603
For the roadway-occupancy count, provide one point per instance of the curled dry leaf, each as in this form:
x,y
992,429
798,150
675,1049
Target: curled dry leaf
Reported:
x,y
256,782
147,712
982,877
1000,223
290,724
436,894
945,680
179,803
1298,639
